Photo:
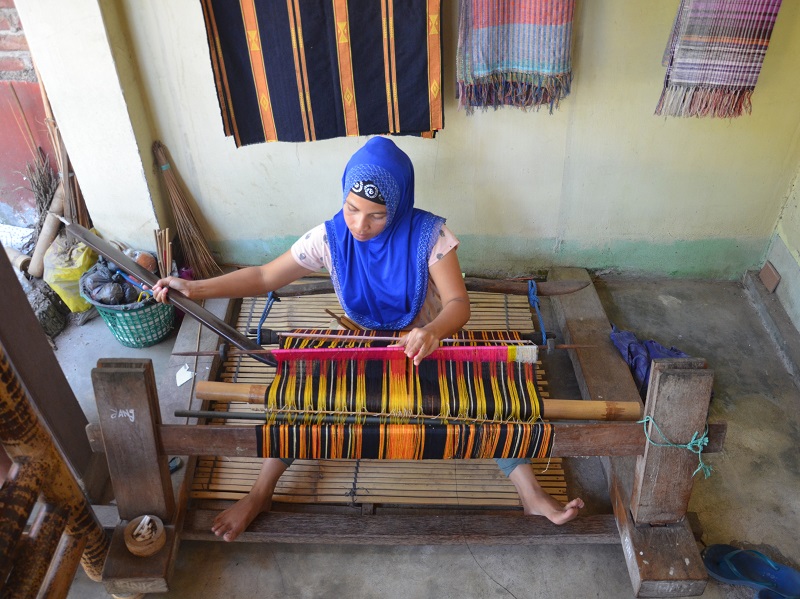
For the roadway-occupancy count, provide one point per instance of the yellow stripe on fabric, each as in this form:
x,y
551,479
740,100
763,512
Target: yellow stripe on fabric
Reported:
x,y
533,392
444,389
220,74
361,387
393,59
296,33
254,45
399,381
386,76
435,65
479,391
346,80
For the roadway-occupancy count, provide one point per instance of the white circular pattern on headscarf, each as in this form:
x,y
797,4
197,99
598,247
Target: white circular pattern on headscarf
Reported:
x,y
382,179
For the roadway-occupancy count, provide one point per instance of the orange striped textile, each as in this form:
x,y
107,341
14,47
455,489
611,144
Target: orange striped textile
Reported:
x,y
292,70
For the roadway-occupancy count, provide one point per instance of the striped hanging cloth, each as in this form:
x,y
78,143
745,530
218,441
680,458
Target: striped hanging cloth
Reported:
x,y
714,56
306,70
514,53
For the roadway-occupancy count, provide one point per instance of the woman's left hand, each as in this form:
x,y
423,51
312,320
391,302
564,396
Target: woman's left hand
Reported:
x,y
418,343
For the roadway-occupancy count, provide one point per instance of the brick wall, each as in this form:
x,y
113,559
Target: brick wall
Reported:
x,y
16,69
15,59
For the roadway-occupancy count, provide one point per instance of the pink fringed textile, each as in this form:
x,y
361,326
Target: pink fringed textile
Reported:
x,y
514,53
714,57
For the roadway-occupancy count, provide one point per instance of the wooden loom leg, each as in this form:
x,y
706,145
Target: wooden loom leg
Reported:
x,y
677,401
127,406
663,561
129,414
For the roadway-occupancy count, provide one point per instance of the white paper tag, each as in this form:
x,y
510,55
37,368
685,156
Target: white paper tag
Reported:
x,y
183,375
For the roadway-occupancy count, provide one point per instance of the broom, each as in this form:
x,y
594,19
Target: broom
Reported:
x,y
194,245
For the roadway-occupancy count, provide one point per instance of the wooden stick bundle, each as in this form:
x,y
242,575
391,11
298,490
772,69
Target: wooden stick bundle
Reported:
x,y
193,243
163,252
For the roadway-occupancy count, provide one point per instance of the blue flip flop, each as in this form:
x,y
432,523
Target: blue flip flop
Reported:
x,y
767,594
751,568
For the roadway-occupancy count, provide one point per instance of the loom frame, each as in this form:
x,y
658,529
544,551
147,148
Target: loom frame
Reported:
x,y
649,487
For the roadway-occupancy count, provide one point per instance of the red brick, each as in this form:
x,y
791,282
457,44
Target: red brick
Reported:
x,y
13,41
7,4
13,63
9,21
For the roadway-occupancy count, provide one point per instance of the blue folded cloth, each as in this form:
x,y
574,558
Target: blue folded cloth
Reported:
x,y
640,354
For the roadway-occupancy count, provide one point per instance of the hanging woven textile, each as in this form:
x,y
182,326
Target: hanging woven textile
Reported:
x,y
292,70
474,401
514,53
714,56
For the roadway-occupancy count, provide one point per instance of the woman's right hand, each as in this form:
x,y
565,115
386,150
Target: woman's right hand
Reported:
x,y
162,285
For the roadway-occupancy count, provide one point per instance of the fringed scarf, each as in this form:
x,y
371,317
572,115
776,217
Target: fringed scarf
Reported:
x,y
305,70
514,53
714,55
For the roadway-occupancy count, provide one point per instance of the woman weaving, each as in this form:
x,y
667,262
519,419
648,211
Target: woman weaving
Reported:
x,y
394,267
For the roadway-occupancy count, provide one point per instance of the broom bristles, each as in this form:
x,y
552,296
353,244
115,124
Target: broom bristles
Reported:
x,y
195,247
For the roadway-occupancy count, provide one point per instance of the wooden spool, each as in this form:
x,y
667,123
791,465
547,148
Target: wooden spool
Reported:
x,y
146,546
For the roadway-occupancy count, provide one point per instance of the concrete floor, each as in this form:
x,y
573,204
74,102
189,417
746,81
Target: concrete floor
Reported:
x,y
750,499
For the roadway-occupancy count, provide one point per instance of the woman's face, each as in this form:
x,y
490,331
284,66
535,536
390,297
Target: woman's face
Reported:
x,y
364,218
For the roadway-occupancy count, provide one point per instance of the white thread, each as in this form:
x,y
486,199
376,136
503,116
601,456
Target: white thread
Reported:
x,y
527,354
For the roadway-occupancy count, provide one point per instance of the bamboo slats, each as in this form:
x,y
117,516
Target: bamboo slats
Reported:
x,y
451,483
63,509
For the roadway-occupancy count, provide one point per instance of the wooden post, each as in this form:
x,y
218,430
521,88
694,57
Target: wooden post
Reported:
x,y
130,417
45,385
677,401
662,561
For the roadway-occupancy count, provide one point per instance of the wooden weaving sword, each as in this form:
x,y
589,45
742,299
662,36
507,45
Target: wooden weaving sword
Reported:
x,y
193,309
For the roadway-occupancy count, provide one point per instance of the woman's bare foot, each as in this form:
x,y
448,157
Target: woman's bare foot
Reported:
x,y
233,521
536,502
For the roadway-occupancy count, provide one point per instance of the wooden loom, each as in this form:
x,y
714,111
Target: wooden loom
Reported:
x,y
649,486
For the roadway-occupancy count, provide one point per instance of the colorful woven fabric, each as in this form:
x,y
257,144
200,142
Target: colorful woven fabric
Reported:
x,y
514,53
483,385
288,70
404,441
714,56
483,408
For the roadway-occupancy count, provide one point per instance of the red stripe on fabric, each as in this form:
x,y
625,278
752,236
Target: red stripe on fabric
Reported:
x,y
491,13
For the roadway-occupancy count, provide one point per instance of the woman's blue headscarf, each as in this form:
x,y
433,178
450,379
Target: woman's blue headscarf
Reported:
x,y
382,283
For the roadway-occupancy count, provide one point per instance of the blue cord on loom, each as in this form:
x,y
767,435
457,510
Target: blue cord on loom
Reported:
x,y
534,301
696,445
271,299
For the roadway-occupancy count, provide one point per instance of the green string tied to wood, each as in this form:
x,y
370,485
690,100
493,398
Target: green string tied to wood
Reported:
x,y
695,445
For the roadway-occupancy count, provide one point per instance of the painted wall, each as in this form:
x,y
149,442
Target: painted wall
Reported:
x,y
601,183
784,253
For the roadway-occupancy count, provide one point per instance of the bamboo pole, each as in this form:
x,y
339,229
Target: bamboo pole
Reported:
x,y
48,233
23,435
554,409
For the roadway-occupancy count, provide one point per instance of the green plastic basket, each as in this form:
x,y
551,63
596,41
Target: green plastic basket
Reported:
x,y
141,327
134,325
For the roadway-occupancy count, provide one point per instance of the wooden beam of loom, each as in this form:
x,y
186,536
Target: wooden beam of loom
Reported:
x,y
554,409
507,286
569,439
